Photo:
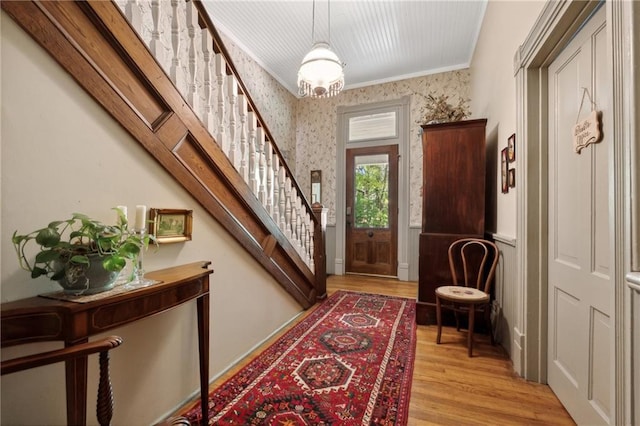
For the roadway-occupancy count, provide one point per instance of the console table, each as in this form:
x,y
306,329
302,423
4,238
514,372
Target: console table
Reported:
x,y
38,319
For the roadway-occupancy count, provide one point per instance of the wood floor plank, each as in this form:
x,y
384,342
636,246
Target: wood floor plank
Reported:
x,y
448,387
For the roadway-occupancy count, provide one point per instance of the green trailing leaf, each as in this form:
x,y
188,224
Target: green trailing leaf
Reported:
x,y
66,244
48,237
47,256
84,260
114,263
36,272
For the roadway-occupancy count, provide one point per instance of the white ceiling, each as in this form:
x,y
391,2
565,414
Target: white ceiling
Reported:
x,y
378,40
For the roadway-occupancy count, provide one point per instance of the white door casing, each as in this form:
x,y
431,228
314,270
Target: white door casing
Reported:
x,y
580,276
344,112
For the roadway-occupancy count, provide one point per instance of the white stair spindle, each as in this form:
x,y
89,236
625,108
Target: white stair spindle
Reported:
x,y
311,244
298,223
176,73
287,210
294,218
262,181
221,72
232,93
242,112
154,44
192,26
275,210
283,199
134,16
253,125
207,54
269,157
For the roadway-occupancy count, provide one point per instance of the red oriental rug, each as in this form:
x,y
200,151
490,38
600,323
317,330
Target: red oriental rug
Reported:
x,y
349,362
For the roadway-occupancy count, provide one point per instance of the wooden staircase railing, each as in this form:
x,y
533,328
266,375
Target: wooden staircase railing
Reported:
x,y
205,131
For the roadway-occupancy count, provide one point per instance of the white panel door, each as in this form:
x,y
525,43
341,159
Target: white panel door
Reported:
x,y
580,277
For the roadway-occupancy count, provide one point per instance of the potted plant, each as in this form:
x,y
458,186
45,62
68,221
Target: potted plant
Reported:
x,y
83,255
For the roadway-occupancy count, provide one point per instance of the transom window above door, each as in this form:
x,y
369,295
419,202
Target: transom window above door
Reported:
x,y
382,125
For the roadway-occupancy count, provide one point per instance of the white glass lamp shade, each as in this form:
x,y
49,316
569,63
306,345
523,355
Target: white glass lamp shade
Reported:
x,y
320,73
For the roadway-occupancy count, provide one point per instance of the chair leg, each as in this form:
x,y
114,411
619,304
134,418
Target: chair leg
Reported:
x,y
438,319
487,321
472,314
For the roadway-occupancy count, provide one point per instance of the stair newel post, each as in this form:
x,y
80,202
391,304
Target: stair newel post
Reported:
x,y
262,188
276,190
221,73
319,249
176,70
192,24
232,94
282,201
287,210
253,127
207,53
242,111
269,159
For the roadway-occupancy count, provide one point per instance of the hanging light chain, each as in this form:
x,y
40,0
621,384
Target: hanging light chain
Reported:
x,y
313,23
329,19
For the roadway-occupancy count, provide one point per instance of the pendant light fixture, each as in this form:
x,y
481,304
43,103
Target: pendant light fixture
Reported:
x,y
320,74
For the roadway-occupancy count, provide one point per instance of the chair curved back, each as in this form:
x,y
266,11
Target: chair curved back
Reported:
x,y
477,259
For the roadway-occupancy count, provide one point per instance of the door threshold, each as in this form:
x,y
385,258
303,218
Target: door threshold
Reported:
x,y
371,275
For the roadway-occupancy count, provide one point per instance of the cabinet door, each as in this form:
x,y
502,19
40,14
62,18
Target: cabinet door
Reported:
x,y
454,178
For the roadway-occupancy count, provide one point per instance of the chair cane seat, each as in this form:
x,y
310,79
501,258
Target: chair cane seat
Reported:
x,y
461,294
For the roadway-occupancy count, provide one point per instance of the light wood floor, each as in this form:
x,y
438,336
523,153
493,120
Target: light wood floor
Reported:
x,y
448,387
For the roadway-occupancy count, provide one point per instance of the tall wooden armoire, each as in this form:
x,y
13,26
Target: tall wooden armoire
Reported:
x,y
453,194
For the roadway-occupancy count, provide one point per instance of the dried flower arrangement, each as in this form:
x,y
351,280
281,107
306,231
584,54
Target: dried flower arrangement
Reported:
x,y
437,109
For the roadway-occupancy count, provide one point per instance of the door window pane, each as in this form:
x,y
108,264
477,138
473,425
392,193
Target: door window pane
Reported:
x,y
371,181
373,126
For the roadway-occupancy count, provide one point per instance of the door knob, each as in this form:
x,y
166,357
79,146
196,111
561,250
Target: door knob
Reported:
x,y
370,234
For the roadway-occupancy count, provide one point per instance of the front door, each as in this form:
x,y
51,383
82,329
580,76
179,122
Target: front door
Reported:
x,y
580,272
372,210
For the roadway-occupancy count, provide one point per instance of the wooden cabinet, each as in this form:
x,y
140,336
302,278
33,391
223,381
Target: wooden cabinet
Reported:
x,y
453,207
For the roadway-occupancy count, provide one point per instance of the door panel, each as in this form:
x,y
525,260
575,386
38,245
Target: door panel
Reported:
x,y
580,288
372,210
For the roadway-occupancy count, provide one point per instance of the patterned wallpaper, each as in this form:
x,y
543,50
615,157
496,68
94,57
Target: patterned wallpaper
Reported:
x,y
317,120
276,105
306,128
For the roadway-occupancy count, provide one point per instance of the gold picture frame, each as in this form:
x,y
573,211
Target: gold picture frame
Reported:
x,y
170,225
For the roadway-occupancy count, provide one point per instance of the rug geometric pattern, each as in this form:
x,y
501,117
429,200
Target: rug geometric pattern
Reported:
x,y
349,362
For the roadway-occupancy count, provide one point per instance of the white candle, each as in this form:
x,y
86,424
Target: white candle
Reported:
x,y
141,218
122,209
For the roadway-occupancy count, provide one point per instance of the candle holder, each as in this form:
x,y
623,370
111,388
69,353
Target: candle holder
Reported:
x,y
138,280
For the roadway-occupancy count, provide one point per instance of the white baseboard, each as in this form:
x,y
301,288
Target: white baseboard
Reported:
x,y
403,271
517,352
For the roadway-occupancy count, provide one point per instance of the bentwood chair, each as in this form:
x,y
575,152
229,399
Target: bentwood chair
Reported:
x,y
475,261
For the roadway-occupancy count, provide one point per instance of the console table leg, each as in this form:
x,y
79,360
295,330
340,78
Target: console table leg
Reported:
x,y
203,346
76,387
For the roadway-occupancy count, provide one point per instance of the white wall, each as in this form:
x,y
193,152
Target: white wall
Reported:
x,y
493,95
61,153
